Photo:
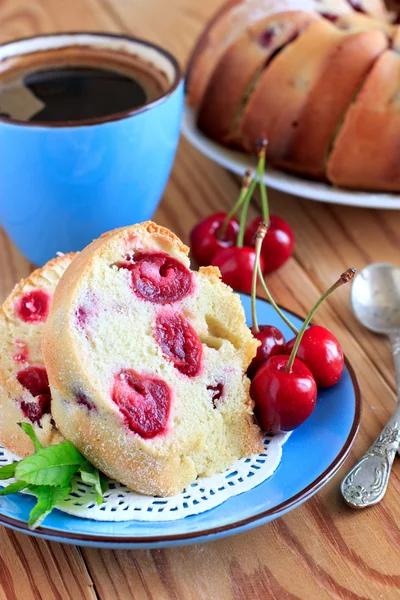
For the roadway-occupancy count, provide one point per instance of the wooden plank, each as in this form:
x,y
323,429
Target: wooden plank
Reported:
x,y
320,550
33,569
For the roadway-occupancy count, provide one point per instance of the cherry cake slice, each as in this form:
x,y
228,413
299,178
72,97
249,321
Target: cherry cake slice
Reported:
x,y
24,386
146,361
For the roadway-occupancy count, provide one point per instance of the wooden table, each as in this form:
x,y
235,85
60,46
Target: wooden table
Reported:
x,y
318,551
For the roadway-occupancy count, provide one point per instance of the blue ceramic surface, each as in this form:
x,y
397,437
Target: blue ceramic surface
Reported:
x,y
62,186
312,455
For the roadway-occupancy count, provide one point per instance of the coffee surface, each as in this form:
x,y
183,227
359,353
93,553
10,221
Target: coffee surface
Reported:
x,y
70,85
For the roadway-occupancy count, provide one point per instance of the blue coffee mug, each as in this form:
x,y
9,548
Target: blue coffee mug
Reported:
x,y
63,184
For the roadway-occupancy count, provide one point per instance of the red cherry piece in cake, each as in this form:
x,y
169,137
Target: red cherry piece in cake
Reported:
x,y
86,310
158,277
34,411
35,380
83,400
81,316
330,17
217,391
355,4
266,37
179,342
34,306
143,401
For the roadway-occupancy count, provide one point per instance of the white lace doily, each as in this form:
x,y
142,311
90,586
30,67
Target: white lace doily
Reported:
x,y
121,504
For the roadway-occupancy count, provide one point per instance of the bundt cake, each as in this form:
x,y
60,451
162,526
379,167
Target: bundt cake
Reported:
x,y
319,79
146,362
24,387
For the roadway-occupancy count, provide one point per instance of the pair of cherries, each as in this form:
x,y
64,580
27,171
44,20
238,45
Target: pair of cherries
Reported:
x,y
222,241
236,263
286,375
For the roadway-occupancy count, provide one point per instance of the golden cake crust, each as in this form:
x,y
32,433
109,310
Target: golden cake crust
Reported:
x,y
238,69
374,121
287,82
160,466
232,19
325,104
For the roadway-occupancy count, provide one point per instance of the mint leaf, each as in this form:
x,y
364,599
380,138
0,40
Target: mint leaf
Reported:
x,y
91,475
8,471
103,482
28,429
53,465
13,488
47,498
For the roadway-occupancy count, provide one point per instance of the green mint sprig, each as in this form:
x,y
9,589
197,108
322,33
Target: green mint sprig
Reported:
x,y
48,474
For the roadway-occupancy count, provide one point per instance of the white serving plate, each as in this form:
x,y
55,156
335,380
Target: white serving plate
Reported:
x,y
238,162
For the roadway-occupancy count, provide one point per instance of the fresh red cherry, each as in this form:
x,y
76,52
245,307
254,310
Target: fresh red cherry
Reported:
x,y
284,389
33,307
236,266
179,342
283,399
321,352
143,401
272,342
206,239
157,277
317,346
222,230
278,243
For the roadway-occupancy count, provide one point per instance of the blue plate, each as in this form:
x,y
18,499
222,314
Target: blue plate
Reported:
x,y
311,456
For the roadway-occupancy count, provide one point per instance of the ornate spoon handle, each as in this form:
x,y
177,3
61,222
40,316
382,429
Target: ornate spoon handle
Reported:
x,y
367,481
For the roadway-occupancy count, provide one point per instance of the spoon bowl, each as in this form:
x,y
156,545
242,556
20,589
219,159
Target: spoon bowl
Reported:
x,y
375,297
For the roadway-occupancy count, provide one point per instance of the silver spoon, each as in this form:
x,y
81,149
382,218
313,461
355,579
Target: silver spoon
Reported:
x,y
375,298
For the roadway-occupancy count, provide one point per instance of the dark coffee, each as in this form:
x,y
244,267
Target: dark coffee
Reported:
x,y
76,84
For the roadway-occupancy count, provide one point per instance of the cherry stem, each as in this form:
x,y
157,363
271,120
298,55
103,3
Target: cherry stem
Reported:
x,y
242,196
344,278
260,235
243,214
263,143
274,304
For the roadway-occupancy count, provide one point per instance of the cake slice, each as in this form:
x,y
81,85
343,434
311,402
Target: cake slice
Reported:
x,y
146,362
239,69
228,24
24,387
374,121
